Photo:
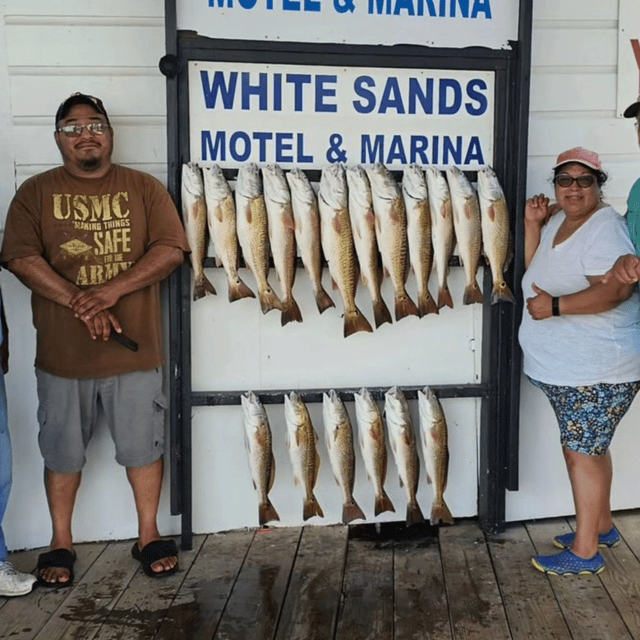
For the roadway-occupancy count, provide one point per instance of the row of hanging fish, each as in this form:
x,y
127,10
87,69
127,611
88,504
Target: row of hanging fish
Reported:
x,y
359,218
301,442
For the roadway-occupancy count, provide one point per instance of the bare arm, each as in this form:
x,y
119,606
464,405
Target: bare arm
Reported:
x,y
38,275
536,214
599,296
154,266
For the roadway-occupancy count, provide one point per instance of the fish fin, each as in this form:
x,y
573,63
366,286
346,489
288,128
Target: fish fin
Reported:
x,y
426,304
381,313
472,294
354,321
335,223
267,513
394,215
323,300
290,311
428,478
401,483
383,504
440,513
501,292
405,306
269,301
370,218
334,284
414,513
287,220
311,508
218,261
351,512
202,287
444,297
239,290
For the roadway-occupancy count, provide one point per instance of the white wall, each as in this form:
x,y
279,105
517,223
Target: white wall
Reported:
x,y
573,103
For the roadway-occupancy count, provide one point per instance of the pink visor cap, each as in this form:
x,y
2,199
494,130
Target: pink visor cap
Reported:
x,y
581,156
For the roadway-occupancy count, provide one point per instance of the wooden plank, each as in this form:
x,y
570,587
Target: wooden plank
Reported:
x,y
628,524
310,611
474,598
585,603
420,598
256,600
91,599
23,618
141,609
196,611
367,610
531,606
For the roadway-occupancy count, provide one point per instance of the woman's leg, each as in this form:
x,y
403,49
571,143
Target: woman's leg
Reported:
x,y
590,478
5,465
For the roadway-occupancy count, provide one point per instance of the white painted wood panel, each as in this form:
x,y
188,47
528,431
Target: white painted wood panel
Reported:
x,y
586,47
572,88
128,8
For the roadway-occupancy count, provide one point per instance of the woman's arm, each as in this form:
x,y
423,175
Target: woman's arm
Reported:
x,y
536,214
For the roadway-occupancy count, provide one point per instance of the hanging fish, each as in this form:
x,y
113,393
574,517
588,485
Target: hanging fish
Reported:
x,y
221,214
373,446
282,238
307,231
258,443
364,238
339,441
194,215
253,234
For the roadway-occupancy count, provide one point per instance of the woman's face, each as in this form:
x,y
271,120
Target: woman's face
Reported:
x,y
577,201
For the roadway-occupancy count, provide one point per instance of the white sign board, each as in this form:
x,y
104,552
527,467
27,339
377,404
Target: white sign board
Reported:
x,y
435,23
311,116
628,54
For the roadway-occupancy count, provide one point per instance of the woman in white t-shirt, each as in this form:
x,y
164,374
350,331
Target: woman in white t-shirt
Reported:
x,y
579,337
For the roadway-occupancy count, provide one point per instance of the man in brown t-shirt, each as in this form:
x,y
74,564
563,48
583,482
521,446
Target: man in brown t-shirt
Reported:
x,y
93,240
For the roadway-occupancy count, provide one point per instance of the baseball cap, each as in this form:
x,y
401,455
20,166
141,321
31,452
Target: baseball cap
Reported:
x,y
80,98
632,110
581,156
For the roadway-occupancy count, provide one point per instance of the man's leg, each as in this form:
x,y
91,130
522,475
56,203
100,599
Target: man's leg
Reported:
x,y
146,483
61,489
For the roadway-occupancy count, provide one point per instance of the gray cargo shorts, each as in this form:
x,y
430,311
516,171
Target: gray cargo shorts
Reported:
x,y
70,410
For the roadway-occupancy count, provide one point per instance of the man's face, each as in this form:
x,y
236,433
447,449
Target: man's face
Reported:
x,y
87,153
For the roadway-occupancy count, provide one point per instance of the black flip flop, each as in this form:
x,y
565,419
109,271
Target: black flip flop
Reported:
x,y
56,559
152,552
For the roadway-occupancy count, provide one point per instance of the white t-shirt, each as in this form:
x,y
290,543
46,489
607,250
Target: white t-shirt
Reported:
x,y
576,350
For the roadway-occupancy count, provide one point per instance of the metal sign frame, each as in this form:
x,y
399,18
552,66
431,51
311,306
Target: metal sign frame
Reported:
x,y
501,357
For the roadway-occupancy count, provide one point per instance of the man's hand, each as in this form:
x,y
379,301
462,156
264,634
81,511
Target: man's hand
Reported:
x,y
100,325
87,303
539,307
626,270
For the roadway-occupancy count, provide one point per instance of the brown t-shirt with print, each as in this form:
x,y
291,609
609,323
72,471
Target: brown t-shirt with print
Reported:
x,y
89,230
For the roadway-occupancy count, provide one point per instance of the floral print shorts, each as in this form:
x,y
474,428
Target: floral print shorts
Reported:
x,y
588,416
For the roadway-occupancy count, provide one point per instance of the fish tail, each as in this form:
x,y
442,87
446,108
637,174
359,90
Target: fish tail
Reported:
x,y
405,306
444,297
238,290
426,304
414,513
472,294
267,513
354,321
202,287
269,301
381,313
351,511
440,513
311,508
323,300
290,311
501,292
383,503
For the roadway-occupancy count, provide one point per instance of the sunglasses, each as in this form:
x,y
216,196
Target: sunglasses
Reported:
x,y
565,180
75,130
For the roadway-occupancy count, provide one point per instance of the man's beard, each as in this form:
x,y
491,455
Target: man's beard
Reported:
x,y
90,164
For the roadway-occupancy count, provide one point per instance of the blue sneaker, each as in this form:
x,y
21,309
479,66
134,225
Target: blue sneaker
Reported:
x,y
566,563
609,540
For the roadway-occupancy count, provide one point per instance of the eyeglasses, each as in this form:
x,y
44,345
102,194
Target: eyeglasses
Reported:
x,y
565,180
75,130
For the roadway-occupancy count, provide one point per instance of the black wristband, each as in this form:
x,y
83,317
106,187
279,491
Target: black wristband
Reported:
x,y
555,306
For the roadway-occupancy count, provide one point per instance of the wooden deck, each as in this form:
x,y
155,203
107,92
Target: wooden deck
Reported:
x,y
342,583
